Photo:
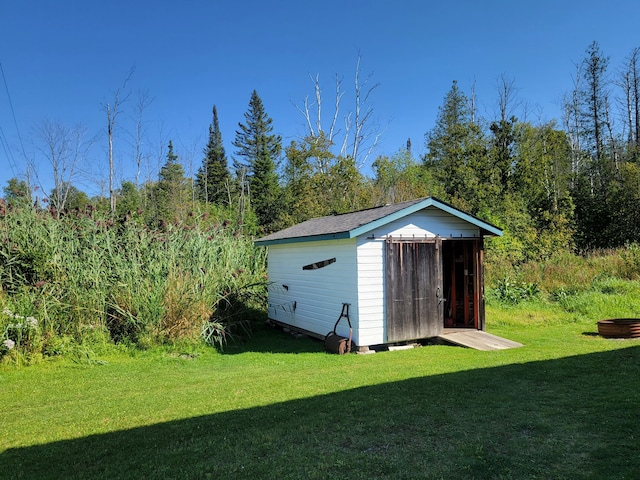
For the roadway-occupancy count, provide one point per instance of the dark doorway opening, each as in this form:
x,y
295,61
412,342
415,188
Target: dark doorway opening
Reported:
x,y
462,269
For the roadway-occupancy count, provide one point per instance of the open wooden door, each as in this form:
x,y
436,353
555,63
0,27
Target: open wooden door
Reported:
x,y
413,289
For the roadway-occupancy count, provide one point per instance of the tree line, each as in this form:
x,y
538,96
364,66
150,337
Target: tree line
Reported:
x,y
571,183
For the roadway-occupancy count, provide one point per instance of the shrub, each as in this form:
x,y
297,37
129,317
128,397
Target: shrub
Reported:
x,y
630,256
512,293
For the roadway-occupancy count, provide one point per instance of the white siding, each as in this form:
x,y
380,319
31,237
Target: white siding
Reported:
x,y
428,222
371,298
318,294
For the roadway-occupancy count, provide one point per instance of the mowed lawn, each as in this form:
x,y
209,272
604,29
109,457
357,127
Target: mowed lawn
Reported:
x,y
564,406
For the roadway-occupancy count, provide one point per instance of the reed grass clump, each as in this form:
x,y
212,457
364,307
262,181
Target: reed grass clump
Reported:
x,y
92,279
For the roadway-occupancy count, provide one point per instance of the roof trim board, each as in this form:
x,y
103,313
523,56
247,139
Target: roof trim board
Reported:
x,y
309,238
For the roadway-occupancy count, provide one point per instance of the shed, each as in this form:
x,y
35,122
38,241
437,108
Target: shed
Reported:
x,y
408,270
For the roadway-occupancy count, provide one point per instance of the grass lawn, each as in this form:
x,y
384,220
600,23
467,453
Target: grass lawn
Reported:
x,y
565,406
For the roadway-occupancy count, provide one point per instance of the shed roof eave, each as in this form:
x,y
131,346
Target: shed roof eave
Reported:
x,y
310,238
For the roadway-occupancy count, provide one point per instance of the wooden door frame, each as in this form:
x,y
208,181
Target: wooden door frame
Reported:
x,y
473,257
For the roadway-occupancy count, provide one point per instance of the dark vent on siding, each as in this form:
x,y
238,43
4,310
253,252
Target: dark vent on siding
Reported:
x,y
317,265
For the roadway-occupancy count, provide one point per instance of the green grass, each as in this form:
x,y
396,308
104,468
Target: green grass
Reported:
x,y
566,405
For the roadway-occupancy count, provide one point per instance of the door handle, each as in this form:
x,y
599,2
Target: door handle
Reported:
x,y
440,299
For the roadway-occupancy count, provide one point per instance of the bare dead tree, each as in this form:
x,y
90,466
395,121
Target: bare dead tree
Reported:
x,y
614,151
359,136
362,116
112,109
629,82
506,98
143,101
188,158
635,87
571,120
472,102
65,150
314,126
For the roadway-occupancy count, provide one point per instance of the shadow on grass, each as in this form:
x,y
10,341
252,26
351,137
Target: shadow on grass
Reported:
x,y
271,339
575,417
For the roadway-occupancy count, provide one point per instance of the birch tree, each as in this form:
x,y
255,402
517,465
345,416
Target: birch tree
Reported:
x,y
357,136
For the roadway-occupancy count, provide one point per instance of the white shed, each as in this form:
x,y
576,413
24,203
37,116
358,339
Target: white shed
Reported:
x,y
408,271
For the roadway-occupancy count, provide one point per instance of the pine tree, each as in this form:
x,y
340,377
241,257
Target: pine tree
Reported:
x,y
171,192
213,176
457,151
256,168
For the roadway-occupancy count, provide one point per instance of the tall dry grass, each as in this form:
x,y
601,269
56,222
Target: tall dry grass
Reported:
x,y
90,279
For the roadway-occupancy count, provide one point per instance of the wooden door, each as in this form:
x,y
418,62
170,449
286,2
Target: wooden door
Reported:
x,y
413,290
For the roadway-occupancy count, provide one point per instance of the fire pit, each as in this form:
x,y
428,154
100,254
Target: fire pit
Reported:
x,y
619,328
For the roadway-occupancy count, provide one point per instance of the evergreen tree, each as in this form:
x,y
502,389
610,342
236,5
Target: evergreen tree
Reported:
x,y
595,103
501,154
256,168
171,192
457,151
213,176
597,187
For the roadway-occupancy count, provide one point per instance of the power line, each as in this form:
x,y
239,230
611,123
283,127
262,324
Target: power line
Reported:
x,y
8,153
14,167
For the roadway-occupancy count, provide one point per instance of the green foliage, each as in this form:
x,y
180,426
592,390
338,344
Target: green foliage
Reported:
x,y
402,178
570,280
622,212
542,171
17,193
20,337
499,170
319,183
512,293
630,256
129,199
610,298
70,197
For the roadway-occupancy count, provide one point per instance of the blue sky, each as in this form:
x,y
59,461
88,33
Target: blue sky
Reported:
x,y
63,60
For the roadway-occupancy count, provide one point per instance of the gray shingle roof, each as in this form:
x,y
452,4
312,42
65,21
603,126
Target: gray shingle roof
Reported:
x,y
336,224
348,225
